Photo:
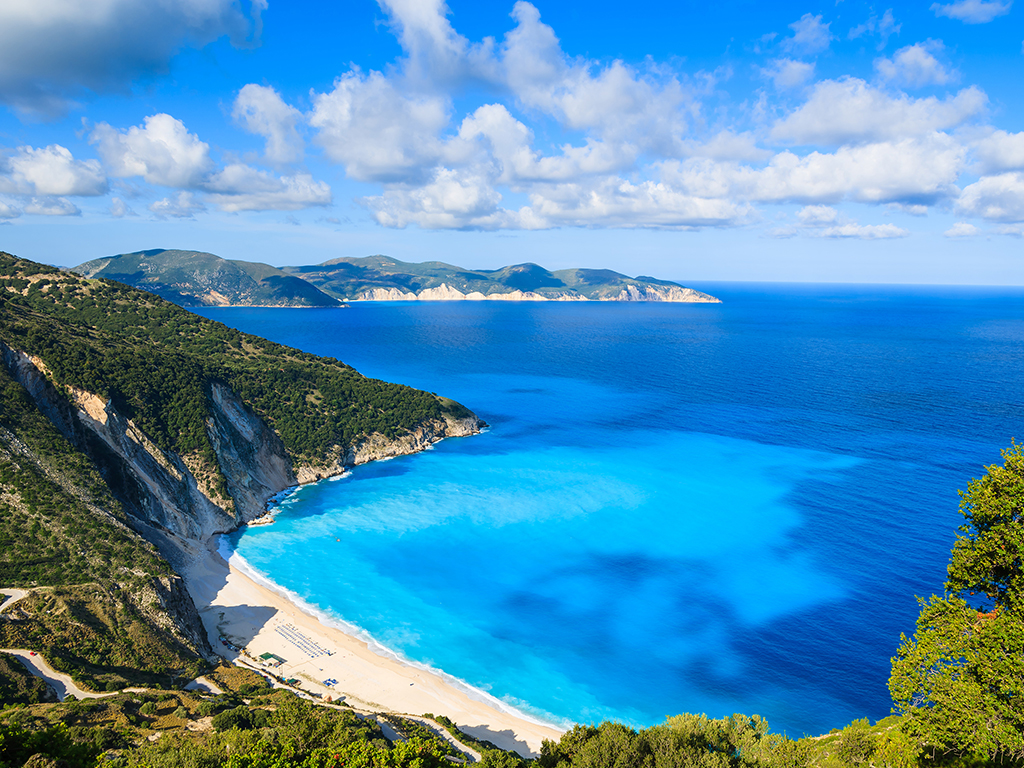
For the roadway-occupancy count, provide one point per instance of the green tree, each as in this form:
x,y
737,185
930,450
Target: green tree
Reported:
x,y
959,682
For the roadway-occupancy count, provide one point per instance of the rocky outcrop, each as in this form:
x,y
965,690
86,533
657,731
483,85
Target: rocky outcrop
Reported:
x,y
445,292
176,602
672,293
378,447
251,455
172,499
157,488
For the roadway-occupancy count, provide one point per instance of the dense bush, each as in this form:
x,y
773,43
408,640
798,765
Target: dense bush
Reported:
x,y
157,362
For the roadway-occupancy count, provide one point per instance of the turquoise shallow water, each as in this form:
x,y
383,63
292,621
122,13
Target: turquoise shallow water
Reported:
x,y
676,508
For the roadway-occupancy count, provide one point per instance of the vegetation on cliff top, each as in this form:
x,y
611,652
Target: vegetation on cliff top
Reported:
x,y
96,612
192,278
196,279
157,362
959,682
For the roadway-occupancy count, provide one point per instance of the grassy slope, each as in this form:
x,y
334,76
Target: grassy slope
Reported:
x,y
94,614
18,686
95,611
346,278
189,278
157,362
277,729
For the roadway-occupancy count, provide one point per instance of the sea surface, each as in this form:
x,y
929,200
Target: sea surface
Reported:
x,y
676,508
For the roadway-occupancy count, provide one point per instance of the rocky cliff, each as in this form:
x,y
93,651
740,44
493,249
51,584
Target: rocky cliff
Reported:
x,y
173,499
639,292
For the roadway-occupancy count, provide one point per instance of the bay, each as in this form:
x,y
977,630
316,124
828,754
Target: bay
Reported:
x,y
702,508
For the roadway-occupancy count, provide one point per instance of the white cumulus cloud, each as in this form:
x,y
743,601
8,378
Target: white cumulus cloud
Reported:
x,y
243,188
53,50
864,231
962,229
973,11
849,110
184,205
1000,151
161,152
50,170
119,208
884,27
810,36
817,215
51,206
377,132
996,198
789,73
826,221
261,110
912,170
915,66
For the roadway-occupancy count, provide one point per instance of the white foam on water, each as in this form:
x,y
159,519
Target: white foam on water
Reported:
x,y
329,619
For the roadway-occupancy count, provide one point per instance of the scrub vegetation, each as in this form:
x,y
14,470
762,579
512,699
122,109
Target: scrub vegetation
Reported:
x,y
99,602
157,363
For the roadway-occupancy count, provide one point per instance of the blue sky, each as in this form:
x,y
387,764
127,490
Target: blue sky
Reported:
x,y
841,141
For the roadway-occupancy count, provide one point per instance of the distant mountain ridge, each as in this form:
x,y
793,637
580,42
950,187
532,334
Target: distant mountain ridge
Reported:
x,y
382,278
193,278
198,279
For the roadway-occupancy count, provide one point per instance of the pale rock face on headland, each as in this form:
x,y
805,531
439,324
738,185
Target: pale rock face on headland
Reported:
x,y
192,278
445,292
166,493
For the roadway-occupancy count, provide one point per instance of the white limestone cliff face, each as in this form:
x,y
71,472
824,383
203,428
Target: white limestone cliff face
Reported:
x,y
157,487
172,499
673,293
445,292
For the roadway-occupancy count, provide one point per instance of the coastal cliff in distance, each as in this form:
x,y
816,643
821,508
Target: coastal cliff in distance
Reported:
x,y
127,419
191,278
197,279
382,278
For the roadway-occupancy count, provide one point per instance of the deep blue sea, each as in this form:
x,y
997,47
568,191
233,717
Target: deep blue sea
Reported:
x,y
677,508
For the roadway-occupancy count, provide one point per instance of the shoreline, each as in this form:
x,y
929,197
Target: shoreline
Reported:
x,y
260,619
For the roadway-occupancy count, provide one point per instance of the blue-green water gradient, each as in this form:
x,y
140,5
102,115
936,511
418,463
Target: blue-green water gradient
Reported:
x,y
705,508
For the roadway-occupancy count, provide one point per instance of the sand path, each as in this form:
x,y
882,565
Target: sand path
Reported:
x,y
13,596
62,684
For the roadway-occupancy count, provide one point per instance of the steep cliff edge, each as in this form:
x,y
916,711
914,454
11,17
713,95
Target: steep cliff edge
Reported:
x,y
177,428
169,496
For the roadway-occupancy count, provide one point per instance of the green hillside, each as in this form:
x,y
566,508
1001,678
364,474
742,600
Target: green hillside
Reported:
x,y
350,278
98,610
157,362
193,278
196,279
105,607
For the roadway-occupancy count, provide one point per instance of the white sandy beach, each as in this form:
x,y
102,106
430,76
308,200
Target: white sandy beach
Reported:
x,y
260,621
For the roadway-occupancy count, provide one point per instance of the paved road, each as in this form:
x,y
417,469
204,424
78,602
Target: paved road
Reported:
x,y
13,596
62,684
203,684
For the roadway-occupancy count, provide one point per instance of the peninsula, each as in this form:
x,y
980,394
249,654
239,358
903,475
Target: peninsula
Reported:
x,y
192,278
132,434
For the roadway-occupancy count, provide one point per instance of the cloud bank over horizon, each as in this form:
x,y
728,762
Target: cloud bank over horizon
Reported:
x,y
512,131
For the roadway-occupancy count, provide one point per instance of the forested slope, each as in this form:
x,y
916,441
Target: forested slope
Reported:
x,y
126,421
109,611
157,361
